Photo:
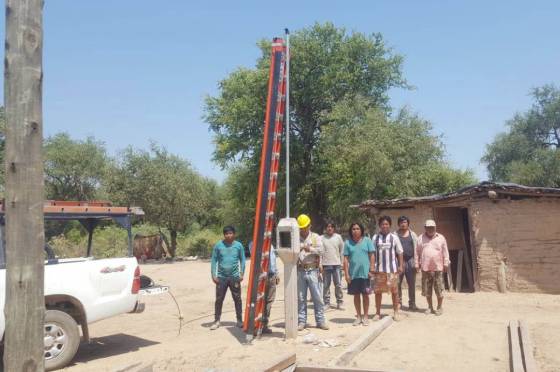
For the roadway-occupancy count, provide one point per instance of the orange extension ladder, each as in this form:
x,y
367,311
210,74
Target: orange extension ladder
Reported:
x,y
266,193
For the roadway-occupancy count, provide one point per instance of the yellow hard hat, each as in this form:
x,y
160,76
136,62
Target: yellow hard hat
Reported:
x,y
303,221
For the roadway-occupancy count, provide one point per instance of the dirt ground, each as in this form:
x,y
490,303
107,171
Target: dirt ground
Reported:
x,y
152,336
471,334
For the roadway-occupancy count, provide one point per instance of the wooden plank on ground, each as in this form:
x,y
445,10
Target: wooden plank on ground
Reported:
x,y
361,343
468,269
281,363
516,361
526,347
336,369
458,286
291,368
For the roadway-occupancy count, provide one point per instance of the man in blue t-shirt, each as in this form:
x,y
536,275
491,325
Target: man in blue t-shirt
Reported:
x,y
227,269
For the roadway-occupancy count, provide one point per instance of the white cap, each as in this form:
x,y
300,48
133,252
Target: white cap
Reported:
x,y
430,223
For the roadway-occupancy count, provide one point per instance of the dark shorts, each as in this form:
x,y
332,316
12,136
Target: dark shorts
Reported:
x,y
359,286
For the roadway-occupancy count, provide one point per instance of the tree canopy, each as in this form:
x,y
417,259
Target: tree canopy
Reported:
x,y
74,169
367,155
172,194
332,74
529,151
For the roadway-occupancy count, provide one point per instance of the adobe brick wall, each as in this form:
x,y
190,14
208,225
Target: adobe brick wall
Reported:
x,y
417,215
526,233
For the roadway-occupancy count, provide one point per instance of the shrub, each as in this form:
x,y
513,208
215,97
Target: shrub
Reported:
x,y
199,243
111,241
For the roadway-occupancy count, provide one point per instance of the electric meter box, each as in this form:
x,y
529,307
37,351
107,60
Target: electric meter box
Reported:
x,y
287,240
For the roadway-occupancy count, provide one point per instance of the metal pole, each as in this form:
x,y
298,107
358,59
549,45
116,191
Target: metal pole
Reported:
x,y
287,115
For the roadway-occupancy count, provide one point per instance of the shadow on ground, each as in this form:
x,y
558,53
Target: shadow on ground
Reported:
x,y
240,335
342,320
108,346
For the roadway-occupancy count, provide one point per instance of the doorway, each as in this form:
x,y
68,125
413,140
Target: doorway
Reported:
x,y
453,223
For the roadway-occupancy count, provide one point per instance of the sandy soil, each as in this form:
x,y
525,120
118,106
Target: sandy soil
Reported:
x,y
152,336
471,334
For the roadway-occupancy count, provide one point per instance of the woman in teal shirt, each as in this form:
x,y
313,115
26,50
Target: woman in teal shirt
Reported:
x,y
358,258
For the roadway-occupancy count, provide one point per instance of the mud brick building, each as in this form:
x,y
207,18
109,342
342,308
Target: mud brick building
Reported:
x,y
489,226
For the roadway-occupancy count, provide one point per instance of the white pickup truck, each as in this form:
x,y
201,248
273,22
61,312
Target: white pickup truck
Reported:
x,y
80,291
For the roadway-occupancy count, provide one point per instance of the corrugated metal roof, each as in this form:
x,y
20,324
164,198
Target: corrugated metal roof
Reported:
x,y
483,187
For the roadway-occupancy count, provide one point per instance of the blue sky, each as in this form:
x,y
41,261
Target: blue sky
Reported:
x,y
128,72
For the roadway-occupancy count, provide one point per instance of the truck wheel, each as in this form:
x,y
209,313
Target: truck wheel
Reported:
x,y
62,339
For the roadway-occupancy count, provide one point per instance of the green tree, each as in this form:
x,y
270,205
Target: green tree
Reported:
x,y
529,151
239,199
328,65
172,194
74,169
344,145
367,155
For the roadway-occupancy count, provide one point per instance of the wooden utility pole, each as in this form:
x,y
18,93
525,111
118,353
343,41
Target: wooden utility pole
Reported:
x,y
23,76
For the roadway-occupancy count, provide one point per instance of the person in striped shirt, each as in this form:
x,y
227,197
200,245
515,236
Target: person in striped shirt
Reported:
x,y
388,265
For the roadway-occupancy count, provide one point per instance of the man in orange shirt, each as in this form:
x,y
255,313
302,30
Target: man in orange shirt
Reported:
x,y
432,257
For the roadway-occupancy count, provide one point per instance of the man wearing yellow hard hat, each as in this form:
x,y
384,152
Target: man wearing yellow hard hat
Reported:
x,y
309,259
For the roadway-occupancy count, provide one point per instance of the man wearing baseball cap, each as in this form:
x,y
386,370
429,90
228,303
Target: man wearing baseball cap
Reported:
x,y
432,257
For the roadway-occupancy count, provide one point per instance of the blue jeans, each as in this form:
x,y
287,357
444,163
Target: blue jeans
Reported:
x,y
332,272
309,279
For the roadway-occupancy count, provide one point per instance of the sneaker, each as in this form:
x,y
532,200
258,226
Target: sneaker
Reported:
x,y
396,316
239,324
326,308
439,312
215,325
429,311
339,306
323,326
301,327
412,308
365,321
376,317
266,330
358,321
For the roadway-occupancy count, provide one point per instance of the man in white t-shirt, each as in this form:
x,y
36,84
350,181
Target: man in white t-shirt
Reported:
x,y
331,259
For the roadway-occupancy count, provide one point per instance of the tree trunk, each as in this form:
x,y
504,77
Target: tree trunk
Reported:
x,y
25,304
173,248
